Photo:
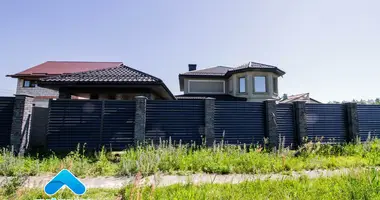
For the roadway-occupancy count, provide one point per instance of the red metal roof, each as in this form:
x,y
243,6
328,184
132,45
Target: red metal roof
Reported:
x,y
64,67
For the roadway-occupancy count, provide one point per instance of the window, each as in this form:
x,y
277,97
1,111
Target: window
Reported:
x,y
259,84
29,83
275,85
242,84
206,86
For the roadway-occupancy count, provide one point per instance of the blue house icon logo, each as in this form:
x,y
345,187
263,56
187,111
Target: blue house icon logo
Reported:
x,y
65,178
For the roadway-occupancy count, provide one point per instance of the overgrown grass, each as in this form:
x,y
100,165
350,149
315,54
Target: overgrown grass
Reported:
x,y
356,185
220,158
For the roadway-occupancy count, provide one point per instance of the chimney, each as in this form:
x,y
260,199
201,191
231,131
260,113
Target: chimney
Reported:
x,y
192,67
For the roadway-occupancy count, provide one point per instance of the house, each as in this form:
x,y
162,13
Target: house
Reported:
x,y
298,97
60,78
252,81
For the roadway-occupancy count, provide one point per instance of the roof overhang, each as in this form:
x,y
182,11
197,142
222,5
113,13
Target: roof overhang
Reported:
x,y
158,87
275,70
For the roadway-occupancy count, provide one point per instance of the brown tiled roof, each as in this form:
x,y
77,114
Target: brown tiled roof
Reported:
x,y
50,68
116,74
222,70
213,71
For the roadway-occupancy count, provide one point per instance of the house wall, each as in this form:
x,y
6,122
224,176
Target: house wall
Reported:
x,y
34,91
232,86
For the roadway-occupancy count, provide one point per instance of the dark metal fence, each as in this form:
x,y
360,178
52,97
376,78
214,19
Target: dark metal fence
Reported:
x,y
91,122
328,121
111,123
178,120
369,121
240,122
6,115
285,123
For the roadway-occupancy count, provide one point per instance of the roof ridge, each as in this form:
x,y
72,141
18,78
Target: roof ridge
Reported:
x,y
63,61
79,73
141,72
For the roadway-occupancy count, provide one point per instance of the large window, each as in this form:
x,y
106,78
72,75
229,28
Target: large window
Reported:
x,y
275,85
206,86
259,84
242,84
29,83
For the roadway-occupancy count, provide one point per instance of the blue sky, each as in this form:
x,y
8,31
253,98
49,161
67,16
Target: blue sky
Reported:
x,y
328,48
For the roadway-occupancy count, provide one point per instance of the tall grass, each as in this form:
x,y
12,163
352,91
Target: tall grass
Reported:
x,y
356,185
220,158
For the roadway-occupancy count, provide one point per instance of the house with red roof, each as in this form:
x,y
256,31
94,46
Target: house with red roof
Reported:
x,y
88,80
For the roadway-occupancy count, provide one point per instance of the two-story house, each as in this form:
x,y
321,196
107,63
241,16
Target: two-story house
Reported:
x,y
252,81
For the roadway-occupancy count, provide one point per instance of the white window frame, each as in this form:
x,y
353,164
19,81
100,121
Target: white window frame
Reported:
x,y
205,80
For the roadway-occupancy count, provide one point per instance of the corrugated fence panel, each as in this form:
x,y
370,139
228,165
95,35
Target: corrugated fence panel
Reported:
x,y
327,121
6,115
179,120
72,122
118,124
241,122
369,121
285,123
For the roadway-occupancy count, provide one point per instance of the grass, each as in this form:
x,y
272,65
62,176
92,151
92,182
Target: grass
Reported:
x,y
356,185
184,159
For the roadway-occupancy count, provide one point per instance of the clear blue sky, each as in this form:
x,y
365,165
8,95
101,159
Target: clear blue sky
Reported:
x,y
328,48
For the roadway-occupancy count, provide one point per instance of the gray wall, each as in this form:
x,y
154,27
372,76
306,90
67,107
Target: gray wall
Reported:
x,y
34,91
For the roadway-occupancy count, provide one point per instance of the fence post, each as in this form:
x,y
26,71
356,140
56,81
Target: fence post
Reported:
x,y
140,119
209,121
352,122
271,123
300,121
20,131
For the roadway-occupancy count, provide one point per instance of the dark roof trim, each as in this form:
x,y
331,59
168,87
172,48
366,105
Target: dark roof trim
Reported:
x,y
273,70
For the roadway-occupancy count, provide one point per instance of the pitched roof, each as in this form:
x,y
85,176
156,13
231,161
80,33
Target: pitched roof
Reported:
x,y
299,97
212,71
50,68
222,70
116,74
219,97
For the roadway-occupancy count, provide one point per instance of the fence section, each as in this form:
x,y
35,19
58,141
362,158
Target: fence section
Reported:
x,y
328,121
369,121
178,120
239,122
118,124
72,122
6,116
285,123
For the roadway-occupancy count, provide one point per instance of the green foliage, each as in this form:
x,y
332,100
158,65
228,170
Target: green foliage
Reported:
x,y
361,101
184,159
364,185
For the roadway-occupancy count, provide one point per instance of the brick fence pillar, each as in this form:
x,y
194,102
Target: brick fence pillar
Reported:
x,y
140,119
352,122
300,121
209,121
271,123
22,113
